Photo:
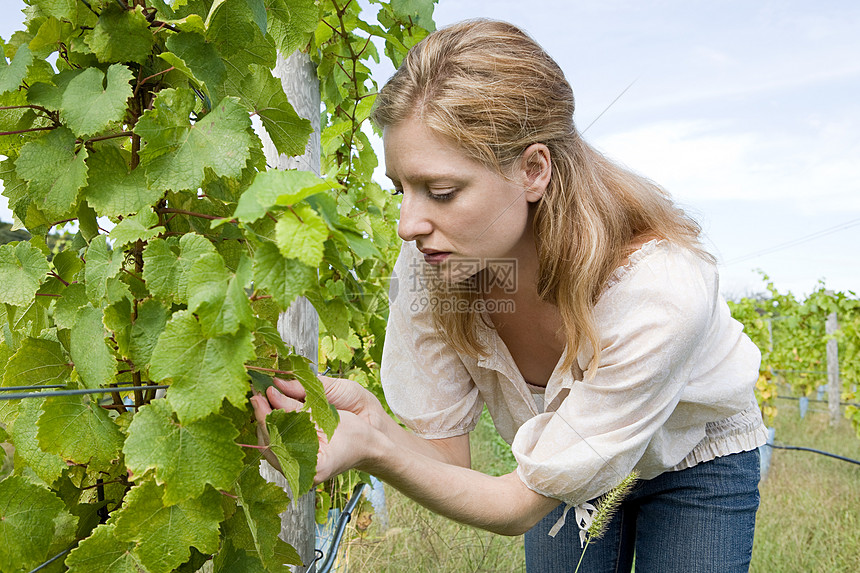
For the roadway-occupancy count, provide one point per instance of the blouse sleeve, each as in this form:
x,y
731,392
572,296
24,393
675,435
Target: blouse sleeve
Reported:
x,y
651,325
425,383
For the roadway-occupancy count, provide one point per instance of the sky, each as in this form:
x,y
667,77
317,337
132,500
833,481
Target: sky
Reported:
x,y
747,113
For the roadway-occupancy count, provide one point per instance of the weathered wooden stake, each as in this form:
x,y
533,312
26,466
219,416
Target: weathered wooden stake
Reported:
x,y
299,326
834,386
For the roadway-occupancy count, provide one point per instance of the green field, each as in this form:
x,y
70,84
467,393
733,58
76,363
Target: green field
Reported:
x,y
809,520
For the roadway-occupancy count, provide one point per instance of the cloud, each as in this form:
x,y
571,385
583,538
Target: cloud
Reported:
x,y
813,167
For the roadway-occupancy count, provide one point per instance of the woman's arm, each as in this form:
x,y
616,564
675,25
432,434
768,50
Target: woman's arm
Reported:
x,y
432,472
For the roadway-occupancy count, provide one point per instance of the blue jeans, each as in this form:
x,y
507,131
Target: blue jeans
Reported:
x,y
697,520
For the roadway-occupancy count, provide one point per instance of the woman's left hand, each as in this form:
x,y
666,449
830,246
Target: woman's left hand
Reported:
x,y
349,446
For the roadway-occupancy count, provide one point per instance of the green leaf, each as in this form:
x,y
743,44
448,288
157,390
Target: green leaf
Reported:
x,y
102,264
163,534
202,59
145,330
121,35
177,152
51,95
293,439
261,503
301,234
93,360
13,73
264,94
164,270
66,308
37,361
325,417
67,264
88,107
27,523
55,172
48,466
22,269
277,187
185,457
80,431
418,11
112,189
203,371
292,23
103,552
139,227
218,298
285,279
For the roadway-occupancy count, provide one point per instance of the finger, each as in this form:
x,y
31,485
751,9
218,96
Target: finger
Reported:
x,y
261,408
280,401
291,388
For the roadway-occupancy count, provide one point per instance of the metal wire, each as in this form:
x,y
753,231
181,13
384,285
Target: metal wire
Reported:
x,y
23,395
344,518
35,387
843,458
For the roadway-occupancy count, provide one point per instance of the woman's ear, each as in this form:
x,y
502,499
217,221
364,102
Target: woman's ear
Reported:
x,y
536,167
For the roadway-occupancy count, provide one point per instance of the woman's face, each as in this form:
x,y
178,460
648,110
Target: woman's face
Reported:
x,y
459,213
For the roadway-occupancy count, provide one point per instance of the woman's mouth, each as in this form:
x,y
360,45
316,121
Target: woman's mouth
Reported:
x,y
432,257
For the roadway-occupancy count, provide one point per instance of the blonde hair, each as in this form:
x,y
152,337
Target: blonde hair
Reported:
x,y
493,91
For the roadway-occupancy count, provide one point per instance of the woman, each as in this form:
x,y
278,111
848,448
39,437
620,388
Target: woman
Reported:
x,y
574,300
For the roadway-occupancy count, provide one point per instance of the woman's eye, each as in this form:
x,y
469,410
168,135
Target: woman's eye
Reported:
x,y
444,196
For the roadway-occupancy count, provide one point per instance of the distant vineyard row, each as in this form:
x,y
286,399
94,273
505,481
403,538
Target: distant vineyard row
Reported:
x,y
792,337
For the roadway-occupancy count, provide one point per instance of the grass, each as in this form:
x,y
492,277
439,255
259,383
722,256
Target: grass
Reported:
x,y
809,519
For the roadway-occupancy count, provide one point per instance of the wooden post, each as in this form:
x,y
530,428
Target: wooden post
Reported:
x,y
834,387
299,326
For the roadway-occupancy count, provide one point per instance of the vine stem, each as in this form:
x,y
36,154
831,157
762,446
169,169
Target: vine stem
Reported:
x,y
193,214
26,130
272,370
254,447
111,136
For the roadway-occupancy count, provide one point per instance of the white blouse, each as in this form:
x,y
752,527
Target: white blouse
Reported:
x,y
674,385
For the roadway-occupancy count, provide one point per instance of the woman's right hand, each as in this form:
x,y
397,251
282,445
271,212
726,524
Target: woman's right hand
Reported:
x,y
343,394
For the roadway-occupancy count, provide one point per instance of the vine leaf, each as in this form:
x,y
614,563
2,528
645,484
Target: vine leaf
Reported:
x,y
163,535
79,430
121,35
177,151
66,308
301,234
114,190
23,267
102,264
88,107
54,171
93,360
28,519
292,22
185,457
264,94
145,330
285,279
293,439
37,361
203,371
217,297
262,503
13,73
276,187
166,265
141,226
324,415
102,551
48,466
201,60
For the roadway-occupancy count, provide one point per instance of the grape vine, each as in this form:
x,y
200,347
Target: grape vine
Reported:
x,y
140,113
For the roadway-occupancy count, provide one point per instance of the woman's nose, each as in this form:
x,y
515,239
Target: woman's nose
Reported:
x,y
414,221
